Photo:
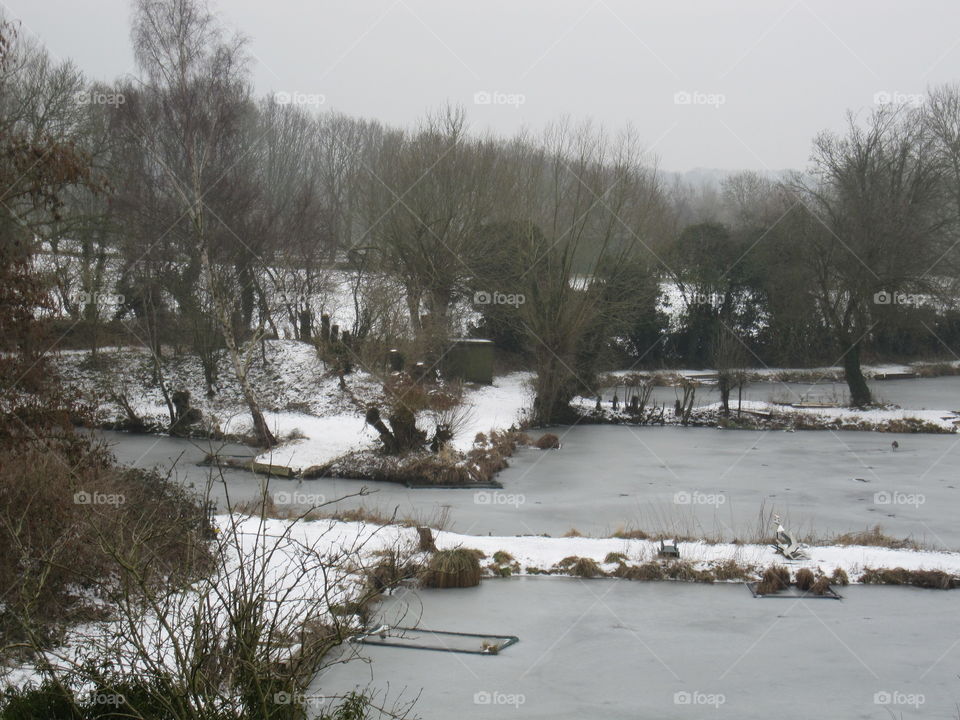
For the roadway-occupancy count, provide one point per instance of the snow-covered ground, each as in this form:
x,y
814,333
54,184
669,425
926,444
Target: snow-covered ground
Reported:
x,y
285,551
303,404
288,377
330,538
824,372
489,407
946,419
867,418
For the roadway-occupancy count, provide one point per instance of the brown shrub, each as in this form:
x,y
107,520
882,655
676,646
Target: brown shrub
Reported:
x,y
586,568
775,579
67,521
685,572
548,441
934,579
821,586
646,571
805,579
730,570
580,567
615,557
839,577
389,571
453,569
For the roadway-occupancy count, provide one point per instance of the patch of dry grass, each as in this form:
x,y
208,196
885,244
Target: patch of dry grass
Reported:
x,y
821,586
729,570
548,441
874,537
581,567
805,579
458,568
932,370
625,534
934,579
775,579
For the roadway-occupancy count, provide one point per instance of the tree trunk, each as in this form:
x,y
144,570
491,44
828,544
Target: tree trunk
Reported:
x,y
413,308
859,392
551,404
723,384
237,356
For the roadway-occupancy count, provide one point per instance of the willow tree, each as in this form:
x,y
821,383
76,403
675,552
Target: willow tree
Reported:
x,y
586,204
877,221
429,194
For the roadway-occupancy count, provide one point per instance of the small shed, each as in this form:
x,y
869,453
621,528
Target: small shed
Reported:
x,y
470,360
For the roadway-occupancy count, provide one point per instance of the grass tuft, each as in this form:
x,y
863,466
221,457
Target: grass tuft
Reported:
x,y
934,579
805,579
821,586
548,441
457,568
775,579
839,577
581,567
875,537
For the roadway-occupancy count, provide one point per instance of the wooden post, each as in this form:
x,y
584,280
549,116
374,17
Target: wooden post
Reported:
x,y
324,328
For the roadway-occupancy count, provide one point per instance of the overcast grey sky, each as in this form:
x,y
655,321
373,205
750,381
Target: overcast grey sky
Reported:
x,y
760,77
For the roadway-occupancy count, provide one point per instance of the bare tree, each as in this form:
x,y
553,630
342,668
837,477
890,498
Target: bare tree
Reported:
x,y
585,204
193,128
428,197
875,227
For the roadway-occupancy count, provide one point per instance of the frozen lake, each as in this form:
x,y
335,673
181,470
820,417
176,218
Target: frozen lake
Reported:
x,y
941,393
687,481
621,649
